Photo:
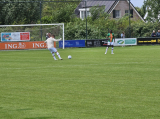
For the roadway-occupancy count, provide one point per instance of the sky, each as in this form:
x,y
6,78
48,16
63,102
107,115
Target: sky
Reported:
x,y
137,3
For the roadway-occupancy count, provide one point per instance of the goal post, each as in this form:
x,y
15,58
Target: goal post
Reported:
x,y
37,32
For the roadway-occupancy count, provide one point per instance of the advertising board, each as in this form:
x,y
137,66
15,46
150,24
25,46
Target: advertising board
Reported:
x,y
125,42
147,41
96,43
118,42
23,45
15,36
72,43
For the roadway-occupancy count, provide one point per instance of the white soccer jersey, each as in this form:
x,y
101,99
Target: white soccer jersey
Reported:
x,y
50,42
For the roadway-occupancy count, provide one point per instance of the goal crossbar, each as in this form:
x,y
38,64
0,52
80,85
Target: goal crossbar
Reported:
x,y
33,24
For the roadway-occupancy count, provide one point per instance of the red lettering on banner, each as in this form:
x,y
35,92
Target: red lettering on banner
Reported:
x,y
25,36
4,36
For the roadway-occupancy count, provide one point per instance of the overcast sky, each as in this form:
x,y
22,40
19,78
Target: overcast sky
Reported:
x,y
137,3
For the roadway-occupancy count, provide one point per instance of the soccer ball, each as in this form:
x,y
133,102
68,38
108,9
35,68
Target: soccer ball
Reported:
x,y
69,56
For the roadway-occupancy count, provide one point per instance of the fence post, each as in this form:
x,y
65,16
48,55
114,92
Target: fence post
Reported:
x,y
129,20
40,17
86,17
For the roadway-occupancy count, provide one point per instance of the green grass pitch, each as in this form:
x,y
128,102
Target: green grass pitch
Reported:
x,y
91,85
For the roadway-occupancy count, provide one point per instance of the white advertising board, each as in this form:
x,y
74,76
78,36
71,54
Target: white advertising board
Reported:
x,y
125,41
15,36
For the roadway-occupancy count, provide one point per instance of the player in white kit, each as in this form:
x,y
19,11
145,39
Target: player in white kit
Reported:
x,y
51,48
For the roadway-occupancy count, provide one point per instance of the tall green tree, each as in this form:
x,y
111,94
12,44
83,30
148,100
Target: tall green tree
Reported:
x,y
15,12
153,9
142,10
58,12
98,12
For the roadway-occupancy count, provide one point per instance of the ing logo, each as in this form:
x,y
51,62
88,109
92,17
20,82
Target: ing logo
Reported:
x,y
22,45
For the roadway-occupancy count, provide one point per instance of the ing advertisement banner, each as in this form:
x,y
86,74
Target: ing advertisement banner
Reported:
x,y
23,45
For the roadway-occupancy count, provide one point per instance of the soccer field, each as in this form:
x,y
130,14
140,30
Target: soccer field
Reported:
x,y
91,85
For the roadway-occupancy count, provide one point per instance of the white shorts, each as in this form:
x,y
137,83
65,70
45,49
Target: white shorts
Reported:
x,y
52,50
110,43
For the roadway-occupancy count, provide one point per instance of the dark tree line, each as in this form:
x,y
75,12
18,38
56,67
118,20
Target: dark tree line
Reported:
x,y
29,12
14,12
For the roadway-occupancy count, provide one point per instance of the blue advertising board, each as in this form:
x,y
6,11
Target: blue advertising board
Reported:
x,y
5,36
72,43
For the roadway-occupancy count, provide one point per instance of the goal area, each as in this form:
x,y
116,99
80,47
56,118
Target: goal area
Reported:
x,y
37,32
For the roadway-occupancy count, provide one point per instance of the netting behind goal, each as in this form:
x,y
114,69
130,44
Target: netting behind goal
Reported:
x,y
37,31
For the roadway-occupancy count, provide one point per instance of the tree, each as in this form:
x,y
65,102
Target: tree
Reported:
x,y
141,11
58,12
66,13
14,12
98,12
153,9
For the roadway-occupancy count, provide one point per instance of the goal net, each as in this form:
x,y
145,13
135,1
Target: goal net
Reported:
x,y
36,32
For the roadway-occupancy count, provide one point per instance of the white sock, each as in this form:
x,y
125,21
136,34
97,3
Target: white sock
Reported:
x,y
106,49
112,50
59,55
53,56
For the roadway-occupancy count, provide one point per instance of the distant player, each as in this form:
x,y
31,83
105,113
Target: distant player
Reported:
x,y
51,48
47,36
110,41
